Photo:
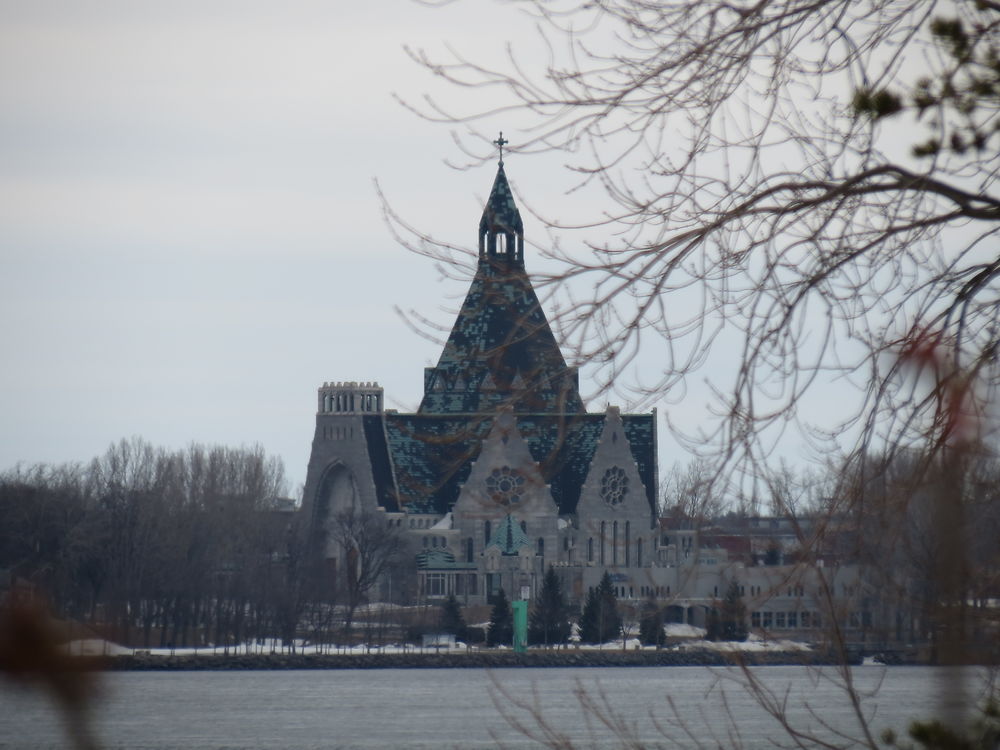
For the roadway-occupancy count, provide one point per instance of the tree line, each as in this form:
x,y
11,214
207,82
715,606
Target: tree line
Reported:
x,y
159,547
603,618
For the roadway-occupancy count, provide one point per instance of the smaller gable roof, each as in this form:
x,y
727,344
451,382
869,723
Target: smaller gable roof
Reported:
x,y
509,537
440,558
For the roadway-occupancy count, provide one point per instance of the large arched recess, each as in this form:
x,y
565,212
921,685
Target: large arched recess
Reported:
x,y
337,493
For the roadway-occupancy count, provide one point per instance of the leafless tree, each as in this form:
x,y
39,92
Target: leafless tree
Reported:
x,y
368,547
773,182
692,492
180,542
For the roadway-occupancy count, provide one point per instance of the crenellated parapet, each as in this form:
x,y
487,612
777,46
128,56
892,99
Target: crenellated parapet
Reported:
x,y
350,397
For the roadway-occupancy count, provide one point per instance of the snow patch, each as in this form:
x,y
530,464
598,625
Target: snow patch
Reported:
x,y
681,630
95,647
444,524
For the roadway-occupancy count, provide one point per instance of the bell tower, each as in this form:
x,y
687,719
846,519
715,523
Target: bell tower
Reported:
x,y
344,465
501,233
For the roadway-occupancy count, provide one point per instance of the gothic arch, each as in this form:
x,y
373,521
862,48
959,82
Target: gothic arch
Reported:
x,y
337,492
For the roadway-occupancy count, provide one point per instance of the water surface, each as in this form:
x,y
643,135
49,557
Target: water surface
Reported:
x,y
470,708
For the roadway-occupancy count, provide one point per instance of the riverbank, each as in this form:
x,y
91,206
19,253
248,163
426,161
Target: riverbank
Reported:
x,y
480,659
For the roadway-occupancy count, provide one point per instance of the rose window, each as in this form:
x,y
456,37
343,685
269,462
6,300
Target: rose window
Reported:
x,y
505,485
614,486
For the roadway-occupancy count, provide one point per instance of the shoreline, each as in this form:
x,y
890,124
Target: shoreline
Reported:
x,y
467,660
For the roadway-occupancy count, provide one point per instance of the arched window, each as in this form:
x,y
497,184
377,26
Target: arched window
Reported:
x,y
628,534
590,549
638,552
603,534
614,543
468,550
541,546
486,536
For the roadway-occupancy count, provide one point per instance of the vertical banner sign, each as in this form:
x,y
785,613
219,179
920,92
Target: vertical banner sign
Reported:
x,y
520,626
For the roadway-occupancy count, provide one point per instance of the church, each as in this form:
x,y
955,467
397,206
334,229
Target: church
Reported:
x,y
501,472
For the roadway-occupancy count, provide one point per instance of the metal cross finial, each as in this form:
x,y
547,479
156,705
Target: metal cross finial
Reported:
x,y
501,143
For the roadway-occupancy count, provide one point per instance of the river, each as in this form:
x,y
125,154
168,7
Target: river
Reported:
x,y
471,708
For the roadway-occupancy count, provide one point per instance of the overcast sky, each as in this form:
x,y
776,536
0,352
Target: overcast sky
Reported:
x,y
190,237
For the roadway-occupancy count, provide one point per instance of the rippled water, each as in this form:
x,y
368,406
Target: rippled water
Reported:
x,y
426,708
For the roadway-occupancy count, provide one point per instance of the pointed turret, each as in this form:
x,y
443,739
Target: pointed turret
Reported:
x,y
501,233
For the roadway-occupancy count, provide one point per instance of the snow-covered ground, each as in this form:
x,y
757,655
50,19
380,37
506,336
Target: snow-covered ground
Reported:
x,y
694,640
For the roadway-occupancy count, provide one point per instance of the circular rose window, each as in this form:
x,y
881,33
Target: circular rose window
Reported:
x,y
504,485
614,486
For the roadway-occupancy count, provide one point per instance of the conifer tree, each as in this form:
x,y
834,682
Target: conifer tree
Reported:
x,y
549,623
713,625
501,622
651,624
600,621
451,618
733,617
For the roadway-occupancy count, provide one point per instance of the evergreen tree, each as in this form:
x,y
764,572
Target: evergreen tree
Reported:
x,y
733,618
600,621
773,555
501,622
588,619
451,620
548,623
713,625
651,624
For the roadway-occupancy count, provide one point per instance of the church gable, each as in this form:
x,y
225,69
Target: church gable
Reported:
x,y
614,487
504,478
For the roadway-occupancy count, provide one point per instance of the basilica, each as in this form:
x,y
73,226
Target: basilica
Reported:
x,y
501,472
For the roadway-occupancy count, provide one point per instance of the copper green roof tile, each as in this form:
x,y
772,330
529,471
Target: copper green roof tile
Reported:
x,y
509,537
432,454
440,558
501,351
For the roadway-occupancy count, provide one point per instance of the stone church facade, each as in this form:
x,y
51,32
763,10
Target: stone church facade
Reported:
x,y
501,472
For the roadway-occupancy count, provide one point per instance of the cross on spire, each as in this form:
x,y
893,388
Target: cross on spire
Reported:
x,y
501,142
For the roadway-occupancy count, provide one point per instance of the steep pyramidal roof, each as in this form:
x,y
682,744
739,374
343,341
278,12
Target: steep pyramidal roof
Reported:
x,y
500,214
501,350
